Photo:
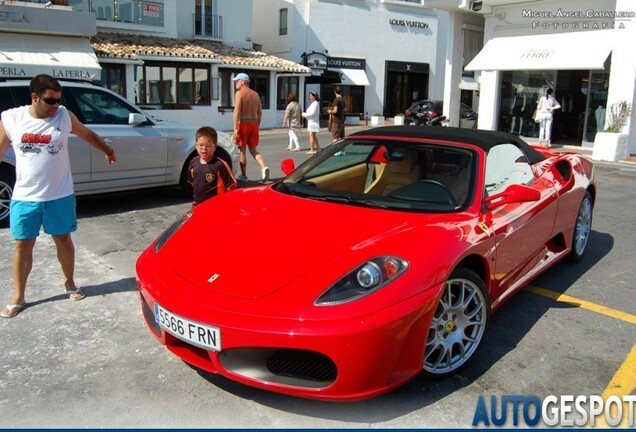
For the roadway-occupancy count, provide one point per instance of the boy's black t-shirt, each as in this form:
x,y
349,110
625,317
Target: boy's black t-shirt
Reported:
x,y
209,179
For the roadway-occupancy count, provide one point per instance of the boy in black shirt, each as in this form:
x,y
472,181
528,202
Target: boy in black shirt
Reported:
x,y
208,174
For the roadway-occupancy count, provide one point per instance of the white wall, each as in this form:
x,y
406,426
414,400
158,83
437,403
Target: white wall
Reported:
x,y
237,21
179,18
265,28
358,29
622,85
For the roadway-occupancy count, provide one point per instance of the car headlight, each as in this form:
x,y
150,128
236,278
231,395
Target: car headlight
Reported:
x,y
363,280
169,232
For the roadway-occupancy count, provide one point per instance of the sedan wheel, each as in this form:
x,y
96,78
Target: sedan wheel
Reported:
x,y
582,229
459,324
7,181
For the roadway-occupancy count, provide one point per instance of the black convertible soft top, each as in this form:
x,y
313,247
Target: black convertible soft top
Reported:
x,y
484,139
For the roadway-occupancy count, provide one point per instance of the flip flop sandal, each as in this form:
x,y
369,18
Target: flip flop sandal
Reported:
x,y
13,310
79,295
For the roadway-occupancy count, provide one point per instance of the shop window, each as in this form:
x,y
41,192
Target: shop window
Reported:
x,y
353,98
520,92
259,82
581,94
113,78
285,86
173,87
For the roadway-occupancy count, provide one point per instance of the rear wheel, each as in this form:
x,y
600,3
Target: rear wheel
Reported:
x,y
459,324
7,181
582,229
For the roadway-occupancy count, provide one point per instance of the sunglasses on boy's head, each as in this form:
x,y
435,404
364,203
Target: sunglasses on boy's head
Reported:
x,y
51,101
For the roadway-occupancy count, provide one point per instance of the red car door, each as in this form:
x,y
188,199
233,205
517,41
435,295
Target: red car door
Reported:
x,y
522,228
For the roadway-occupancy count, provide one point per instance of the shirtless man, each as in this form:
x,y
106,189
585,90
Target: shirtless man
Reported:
x,y
247,121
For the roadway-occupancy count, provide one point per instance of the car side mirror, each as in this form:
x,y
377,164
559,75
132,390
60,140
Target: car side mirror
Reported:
x,y
513,194
136,119
287,166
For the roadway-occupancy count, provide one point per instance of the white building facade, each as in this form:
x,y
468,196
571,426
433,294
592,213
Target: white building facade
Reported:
x,y
583,50
175,58
384,54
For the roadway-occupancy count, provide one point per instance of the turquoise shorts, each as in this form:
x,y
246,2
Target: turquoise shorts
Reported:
x,y
57,217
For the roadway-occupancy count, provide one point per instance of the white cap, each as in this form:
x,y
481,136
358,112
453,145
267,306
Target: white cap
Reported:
x,y
241,76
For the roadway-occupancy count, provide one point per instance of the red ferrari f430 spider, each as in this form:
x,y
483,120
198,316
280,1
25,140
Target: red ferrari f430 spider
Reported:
x,y
379,258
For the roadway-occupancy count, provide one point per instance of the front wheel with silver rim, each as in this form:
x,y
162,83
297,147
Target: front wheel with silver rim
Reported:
x,y
459,324
582,229
7,181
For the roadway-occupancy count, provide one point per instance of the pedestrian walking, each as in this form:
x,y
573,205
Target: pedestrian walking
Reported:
x,y
292,121
313,122
247,121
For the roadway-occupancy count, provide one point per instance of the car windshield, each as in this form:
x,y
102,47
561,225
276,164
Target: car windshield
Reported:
x,y
387,174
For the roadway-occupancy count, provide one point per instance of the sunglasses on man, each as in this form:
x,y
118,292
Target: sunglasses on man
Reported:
x,y
51,101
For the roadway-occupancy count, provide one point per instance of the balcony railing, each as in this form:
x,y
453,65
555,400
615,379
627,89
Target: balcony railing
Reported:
x,y
129,11
208,26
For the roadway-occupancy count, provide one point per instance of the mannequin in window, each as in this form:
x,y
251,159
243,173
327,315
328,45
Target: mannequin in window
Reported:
x,y
599,113
517,110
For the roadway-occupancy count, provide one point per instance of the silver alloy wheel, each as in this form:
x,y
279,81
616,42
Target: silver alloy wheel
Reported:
x,y
583,227
5,199
457,328
7,180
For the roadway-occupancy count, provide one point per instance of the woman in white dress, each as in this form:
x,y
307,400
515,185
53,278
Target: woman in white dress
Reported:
x,y
546,105
313,122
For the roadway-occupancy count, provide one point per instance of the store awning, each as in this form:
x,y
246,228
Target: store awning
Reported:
x,y
26,55
356,77
563,51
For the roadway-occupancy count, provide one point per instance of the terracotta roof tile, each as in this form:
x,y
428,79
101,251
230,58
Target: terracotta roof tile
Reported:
x,y
130,46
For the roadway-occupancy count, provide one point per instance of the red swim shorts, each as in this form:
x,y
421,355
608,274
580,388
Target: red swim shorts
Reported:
x,y
247,134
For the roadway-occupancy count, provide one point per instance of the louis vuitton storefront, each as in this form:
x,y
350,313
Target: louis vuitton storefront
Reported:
x,y
327,73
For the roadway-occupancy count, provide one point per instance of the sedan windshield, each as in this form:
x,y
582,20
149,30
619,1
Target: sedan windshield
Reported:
x,y
387,174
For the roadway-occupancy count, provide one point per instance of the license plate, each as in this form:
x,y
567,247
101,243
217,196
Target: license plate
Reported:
x,y
203,336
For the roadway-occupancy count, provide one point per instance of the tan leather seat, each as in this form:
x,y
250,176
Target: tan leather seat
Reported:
x,y
396,174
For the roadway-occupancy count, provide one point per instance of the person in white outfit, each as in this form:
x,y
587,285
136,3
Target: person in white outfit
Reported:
x,y
546,105
292,119
313,122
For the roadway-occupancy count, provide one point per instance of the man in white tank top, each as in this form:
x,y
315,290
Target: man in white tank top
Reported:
x,y
43,195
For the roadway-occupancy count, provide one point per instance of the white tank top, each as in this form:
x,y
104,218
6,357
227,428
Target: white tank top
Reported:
x,y
43,169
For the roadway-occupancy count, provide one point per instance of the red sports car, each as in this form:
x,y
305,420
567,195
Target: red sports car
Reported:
x,y
379,258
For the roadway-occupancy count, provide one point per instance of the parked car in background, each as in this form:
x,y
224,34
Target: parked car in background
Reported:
x,y
423,111
149,152
423,233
